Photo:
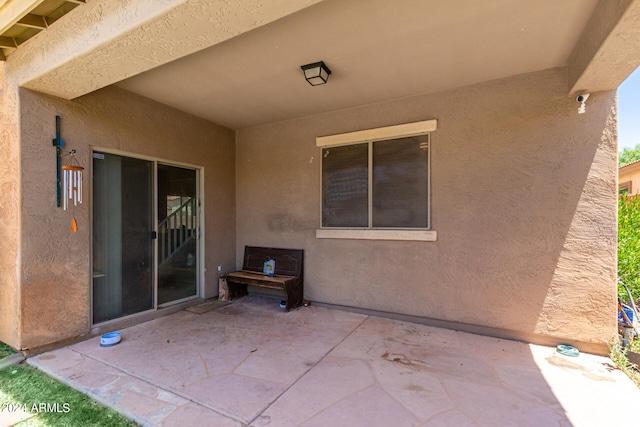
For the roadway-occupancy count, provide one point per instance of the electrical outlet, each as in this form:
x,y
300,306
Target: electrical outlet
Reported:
x,y
219,268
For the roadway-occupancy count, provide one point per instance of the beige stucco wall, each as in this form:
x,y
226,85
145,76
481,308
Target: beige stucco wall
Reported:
x,y
9,212
523,202
55,280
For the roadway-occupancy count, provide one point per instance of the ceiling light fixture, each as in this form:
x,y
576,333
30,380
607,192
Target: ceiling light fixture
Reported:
x,y
316,73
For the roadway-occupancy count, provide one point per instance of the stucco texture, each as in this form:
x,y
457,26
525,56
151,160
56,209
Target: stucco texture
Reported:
x,y
55,278
523,203
9,212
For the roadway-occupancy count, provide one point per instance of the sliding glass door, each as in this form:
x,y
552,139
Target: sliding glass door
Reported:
x,y
177,233
122,236
127,236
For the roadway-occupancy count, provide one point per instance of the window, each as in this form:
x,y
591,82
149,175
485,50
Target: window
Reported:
x,y
624,188
345,186
377,179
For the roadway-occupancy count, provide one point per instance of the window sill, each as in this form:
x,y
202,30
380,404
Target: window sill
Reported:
x,y
410,235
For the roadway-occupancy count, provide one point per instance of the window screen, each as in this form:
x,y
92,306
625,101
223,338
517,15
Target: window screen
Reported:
x,y
397,196
345,186
400,183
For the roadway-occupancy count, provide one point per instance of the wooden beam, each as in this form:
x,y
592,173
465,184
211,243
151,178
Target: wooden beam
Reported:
x,y
76,1
15,10
2,57
9,42
33,21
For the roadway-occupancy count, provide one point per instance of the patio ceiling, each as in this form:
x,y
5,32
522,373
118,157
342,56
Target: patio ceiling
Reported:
x,y
238,64
376,50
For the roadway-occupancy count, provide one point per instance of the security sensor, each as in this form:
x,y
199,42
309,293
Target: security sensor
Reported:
x,y
582,98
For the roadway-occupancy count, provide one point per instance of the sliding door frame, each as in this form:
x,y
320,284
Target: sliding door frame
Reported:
x,y
199,239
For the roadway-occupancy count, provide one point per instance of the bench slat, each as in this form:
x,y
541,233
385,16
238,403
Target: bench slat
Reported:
x,y
260,276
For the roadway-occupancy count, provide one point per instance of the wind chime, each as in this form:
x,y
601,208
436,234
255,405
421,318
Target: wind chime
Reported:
x,y
69,178
72,188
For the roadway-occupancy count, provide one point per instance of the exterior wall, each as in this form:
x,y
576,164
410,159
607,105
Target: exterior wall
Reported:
x,y
523,203
9,212
55,279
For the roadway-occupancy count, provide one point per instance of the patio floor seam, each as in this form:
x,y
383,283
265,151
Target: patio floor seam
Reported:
x,y
362,371
197,401
85,390
149,382
307,371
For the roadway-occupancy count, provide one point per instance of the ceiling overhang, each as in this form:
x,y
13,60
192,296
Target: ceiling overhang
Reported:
x,y
201,56
107,41
608,50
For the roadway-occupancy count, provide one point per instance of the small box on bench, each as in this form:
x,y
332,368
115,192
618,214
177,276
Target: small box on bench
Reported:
x,y
288,274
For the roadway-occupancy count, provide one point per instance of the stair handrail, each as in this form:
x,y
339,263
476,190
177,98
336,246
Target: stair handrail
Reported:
x,y
174,213
171,242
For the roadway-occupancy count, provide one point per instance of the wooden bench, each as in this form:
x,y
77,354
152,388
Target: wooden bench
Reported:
x,y
288,274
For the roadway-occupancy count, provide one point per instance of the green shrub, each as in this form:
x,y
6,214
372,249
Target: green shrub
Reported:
x,y
5,350
629,246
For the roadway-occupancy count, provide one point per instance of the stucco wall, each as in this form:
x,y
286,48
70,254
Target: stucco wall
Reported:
x,y
55,280
523,202
9,211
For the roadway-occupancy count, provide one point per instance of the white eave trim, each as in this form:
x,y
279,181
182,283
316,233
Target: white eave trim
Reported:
x,y
397,131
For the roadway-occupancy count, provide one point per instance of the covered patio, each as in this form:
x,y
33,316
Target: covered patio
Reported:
x,y
250,363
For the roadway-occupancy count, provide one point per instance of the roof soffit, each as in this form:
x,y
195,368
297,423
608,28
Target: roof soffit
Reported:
x,y
106,41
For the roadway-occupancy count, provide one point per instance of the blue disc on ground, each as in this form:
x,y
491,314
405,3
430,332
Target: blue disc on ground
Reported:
x,y
110,339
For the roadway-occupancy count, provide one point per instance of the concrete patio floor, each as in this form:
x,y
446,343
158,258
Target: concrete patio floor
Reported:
x,y
250,363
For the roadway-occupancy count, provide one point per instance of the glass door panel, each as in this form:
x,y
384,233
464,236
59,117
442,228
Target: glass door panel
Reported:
x,y
177,234
122,236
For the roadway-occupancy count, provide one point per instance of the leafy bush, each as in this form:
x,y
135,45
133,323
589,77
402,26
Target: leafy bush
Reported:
x,y
5,350
629,155
629,246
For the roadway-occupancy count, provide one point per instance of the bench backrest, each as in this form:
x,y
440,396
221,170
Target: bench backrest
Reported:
x,y
288,261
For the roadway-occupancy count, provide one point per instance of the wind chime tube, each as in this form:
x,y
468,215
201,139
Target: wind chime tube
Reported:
x,y
69,193
67,189
69,186
64,190
72,185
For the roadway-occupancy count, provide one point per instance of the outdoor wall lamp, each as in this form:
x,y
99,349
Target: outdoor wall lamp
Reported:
x,y
316,73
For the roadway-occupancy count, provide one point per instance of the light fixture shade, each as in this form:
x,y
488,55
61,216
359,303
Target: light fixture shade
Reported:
x,y
316,73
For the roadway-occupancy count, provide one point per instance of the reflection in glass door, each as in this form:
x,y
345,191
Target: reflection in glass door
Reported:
x,y
122,236
177,234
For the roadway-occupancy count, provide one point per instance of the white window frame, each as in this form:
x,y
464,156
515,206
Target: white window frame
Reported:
x,y
369,136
